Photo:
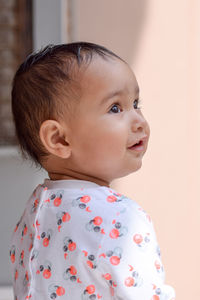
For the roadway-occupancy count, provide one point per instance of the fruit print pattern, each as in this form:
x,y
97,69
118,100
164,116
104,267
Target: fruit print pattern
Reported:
x,y
82,202
112,284
45,237
113,256
69,246
26,279
141,240
55,199
118,230
56,291
62,217
35,205
24,231
16,274
159,294
71,274
91,260
135,280
12,254
45,269
95,224
89,293
85,242
158,266
21,258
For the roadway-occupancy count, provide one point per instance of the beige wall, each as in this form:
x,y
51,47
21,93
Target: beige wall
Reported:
x,y
161,41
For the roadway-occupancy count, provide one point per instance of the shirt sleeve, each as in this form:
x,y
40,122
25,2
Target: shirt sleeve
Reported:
x,y
129,260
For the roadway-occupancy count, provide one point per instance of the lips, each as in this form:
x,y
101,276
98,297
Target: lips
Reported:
x,y
139,145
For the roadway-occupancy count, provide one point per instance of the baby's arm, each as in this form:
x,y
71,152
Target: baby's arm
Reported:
x,y
129,260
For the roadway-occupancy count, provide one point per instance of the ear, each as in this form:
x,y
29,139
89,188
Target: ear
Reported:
x,y
52,135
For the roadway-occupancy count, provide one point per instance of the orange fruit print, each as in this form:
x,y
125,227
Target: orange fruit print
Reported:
x,y
85,199
57,201
129,281
111,198
115,260
138,238
45,242
60,291
90,289
47,274
72,246
114,233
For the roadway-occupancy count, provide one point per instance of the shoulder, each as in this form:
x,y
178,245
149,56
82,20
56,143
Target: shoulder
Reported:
x,y
121,206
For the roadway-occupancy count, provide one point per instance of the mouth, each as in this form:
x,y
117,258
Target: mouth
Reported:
x,y
139,146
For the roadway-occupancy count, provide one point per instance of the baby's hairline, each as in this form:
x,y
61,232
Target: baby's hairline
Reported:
x,y
79,74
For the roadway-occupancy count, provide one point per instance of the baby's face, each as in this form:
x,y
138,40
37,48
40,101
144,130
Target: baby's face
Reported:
x,y
108,122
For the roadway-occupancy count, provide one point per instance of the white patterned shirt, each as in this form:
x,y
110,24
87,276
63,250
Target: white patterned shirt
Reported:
x,y
78,240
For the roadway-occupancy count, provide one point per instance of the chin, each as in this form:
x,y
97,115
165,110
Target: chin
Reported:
x,y
130,170
136,167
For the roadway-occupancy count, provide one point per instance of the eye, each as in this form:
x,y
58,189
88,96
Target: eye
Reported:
x,y
115,109
136,104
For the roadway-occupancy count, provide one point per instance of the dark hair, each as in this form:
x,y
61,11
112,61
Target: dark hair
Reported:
x,y
41,82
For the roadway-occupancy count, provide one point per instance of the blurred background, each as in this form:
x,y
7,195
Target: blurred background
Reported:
x,y
161,42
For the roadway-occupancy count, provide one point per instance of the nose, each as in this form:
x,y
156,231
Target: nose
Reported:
x,y
138,122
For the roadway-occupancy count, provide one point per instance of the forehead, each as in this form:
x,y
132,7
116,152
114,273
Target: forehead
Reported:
x,y
104,78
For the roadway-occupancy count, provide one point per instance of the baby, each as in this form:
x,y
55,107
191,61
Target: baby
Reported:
x,y
77,114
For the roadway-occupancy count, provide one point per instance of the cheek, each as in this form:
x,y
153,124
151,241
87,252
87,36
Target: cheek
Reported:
x,y
108,140
104,142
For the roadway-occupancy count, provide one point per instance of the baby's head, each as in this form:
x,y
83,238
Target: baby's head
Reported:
x,y
76,112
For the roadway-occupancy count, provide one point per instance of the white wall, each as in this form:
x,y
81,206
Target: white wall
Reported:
x,y
49,22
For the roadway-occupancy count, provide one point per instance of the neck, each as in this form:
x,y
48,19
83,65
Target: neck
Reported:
x,y
77,176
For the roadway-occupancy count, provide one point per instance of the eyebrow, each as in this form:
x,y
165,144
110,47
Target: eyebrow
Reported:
x,y
117,93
